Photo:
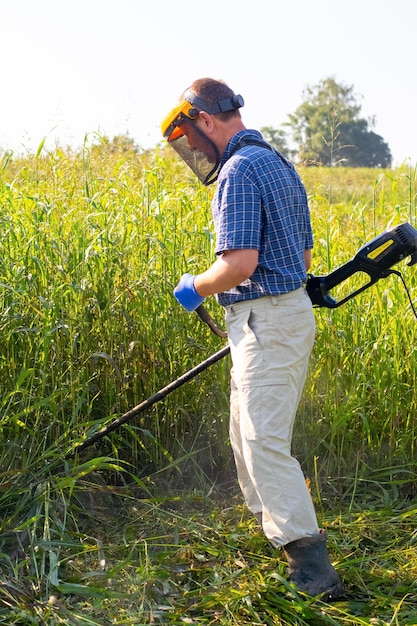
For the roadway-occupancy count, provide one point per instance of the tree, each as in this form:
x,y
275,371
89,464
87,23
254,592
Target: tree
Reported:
x,y
276,137
363,147
328,130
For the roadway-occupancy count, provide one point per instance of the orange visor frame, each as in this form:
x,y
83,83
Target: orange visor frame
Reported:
x,y
171,126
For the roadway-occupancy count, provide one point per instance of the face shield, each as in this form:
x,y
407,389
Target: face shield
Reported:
x,y
180,130
198,151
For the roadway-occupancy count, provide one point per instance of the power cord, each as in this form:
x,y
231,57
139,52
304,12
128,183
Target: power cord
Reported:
x,y
397,273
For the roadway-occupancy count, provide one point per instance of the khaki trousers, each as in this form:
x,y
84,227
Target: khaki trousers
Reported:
x,y
271,339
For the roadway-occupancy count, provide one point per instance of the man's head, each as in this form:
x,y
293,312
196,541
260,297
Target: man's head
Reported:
x,y
214,97
201,125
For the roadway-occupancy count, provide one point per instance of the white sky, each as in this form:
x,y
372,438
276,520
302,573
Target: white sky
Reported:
x,y
74,67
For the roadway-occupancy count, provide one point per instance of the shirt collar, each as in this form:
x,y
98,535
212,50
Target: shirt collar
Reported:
x,y
247,134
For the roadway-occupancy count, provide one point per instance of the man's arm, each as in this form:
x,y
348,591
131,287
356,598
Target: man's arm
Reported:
x,y
228,271
307,259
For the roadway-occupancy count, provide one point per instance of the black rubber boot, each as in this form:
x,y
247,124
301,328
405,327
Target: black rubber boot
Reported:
x,y
310,568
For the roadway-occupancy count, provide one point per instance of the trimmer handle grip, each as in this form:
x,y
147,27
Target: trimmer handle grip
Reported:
x,y
205,316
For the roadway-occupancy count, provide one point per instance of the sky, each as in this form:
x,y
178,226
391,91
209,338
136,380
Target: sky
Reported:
x,y
71,69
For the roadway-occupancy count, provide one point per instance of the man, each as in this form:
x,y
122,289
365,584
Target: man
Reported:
x,y
263,248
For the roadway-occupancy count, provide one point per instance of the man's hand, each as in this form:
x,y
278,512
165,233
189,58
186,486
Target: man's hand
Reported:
x,y
186,294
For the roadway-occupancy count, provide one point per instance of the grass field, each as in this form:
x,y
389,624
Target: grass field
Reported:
x,y
147,526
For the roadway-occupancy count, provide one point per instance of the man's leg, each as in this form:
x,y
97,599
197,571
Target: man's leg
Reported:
x,y
271,340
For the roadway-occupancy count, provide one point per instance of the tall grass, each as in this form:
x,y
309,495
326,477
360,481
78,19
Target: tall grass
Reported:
x,y
89,263
359,401
92,245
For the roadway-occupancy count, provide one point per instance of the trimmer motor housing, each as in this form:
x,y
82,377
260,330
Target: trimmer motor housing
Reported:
x,y
374,259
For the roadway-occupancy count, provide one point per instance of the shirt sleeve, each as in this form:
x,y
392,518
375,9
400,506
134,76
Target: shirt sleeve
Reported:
x,y
239,214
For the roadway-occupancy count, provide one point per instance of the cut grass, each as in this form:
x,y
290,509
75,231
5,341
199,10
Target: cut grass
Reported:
x,y
195,559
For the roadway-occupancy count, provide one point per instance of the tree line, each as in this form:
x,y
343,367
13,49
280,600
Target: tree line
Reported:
x,y
327,129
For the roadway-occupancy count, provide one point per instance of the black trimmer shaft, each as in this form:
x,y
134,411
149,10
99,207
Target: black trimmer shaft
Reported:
x,y
156,397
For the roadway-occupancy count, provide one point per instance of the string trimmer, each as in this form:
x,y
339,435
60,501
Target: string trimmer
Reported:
x,y
374,259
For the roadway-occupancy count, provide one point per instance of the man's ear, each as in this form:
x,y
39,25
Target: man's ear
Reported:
x,y
206,121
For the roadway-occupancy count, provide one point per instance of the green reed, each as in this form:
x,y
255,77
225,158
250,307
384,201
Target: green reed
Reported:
x,y
93,244
360,392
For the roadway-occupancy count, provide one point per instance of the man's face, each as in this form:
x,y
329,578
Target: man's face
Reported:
x,y
197,140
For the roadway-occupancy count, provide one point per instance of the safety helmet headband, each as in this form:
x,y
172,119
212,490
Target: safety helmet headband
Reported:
x,y
224,105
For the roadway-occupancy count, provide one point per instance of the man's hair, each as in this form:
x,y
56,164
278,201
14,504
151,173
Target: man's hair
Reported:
x,y
213,91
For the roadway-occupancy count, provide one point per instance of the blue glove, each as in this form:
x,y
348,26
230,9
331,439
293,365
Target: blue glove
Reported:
x,y
186,294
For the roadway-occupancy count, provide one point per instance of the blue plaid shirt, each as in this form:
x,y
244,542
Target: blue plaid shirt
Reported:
x,y
260,203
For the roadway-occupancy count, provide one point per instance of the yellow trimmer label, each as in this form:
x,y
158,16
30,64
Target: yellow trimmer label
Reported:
x,y
375,253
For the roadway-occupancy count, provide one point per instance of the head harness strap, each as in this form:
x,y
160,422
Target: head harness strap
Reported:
x,y
222,106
